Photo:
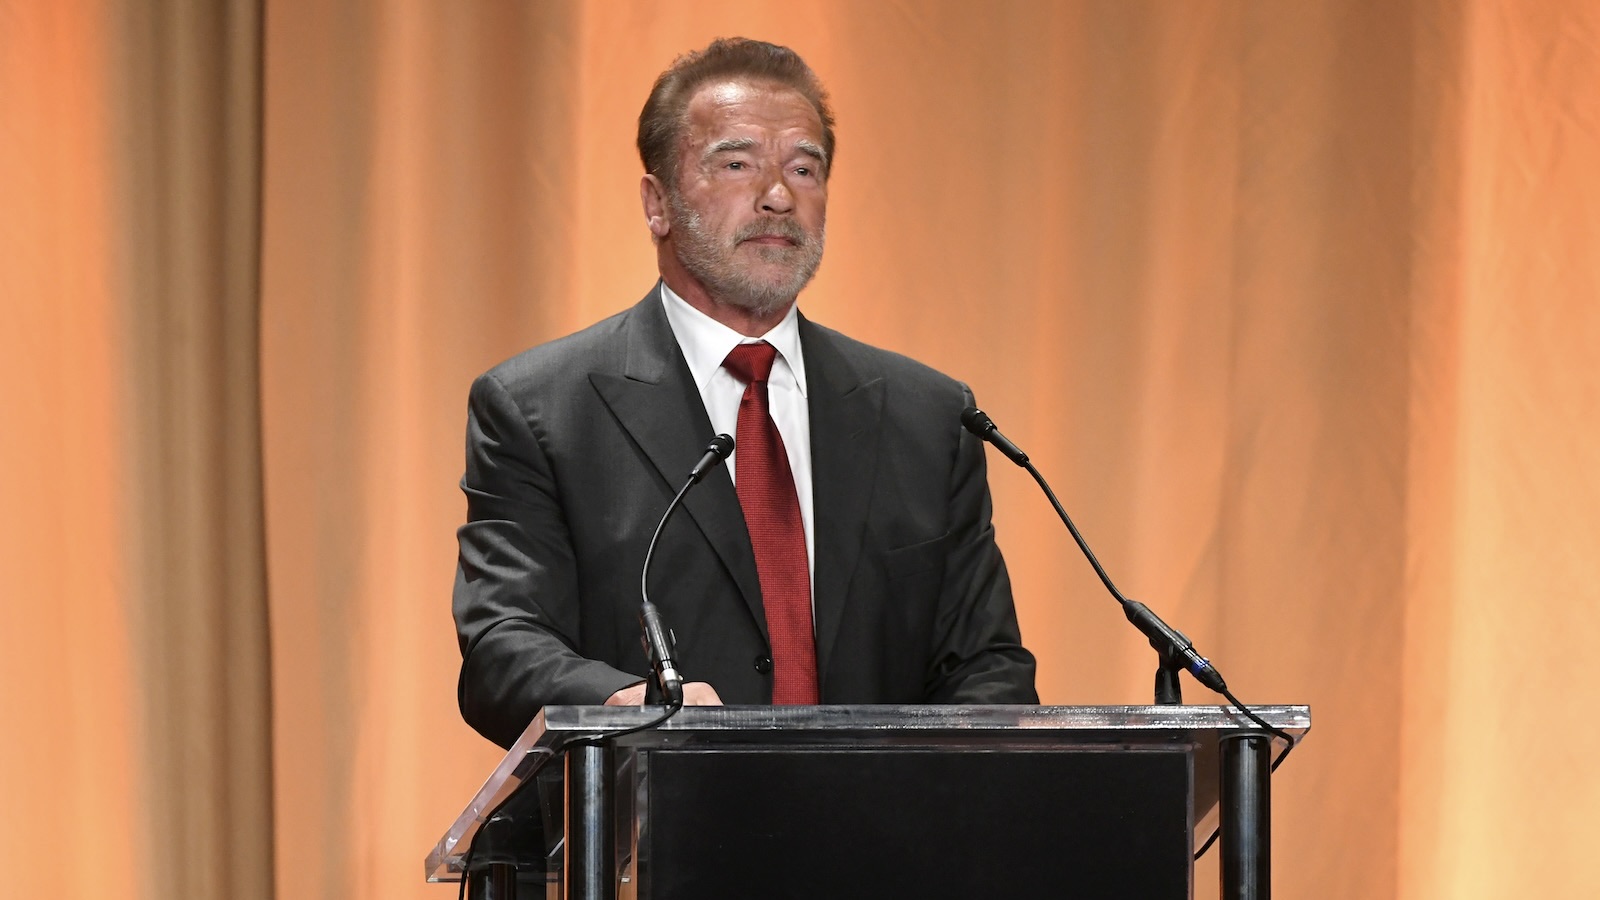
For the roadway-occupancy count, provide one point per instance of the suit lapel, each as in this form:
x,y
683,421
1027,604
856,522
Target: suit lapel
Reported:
x,y
655,400
846,407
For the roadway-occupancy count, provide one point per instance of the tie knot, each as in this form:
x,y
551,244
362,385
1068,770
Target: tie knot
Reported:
x,y
751,363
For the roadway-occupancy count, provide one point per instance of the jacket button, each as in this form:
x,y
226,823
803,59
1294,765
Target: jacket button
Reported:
x,y
763,664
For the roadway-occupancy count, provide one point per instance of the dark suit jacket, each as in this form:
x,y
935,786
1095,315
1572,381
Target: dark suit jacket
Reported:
x,y
574,449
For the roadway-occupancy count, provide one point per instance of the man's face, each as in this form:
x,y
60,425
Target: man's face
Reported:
x,y
748,212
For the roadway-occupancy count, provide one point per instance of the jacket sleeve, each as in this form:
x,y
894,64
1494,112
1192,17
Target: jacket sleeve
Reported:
x,y
978,656
516,599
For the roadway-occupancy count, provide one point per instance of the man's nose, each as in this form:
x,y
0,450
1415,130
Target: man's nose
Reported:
x,y
777,197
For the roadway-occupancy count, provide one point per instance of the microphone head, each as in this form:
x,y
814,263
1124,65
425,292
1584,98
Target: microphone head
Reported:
x,y
716,452
976,420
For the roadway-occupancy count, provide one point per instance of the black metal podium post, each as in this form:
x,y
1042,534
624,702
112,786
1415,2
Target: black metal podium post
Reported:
x,y
591,852
1246,811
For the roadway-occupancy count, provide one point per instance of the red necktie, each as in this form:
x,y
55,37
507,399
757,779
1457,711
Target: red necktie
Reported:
x,y
765,486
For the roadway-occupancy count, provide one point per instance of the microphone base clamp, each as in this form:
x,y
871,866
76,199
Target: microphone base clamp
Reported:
x,y
1169,690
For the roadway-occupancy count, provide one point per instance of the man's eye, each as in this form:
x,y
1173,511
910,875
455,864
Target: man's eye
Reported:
x,y
736,165
803,171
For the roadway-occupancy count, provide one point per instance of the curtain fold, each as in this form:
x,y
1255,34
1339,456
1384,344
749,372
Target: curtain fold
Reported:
x,y
419,173
135,656
1503,592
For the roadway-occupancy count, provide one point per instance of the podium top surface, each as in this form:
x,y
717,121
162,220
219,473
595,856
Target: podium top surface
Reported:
x,y
588,722
557,728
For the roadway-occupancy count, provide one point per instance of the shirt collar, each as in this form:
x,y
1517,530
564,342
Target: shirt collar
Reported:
x,y
706,342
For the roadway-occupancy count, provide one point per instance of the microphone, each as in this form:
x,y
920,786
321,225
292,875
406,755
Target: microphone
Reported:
x,y
720,448
978,422
1170,644
659,645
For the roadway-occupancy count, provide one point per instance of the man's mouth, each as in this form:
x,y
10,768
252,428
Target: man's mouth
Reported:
x,y
772,240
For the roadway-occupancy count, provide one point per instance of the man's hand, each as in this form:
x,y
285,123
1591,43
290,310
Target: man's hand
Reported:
x,y
695,693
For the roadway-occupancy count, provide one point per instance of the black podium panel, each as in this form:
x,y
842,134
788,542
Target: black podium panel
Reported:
x,y
844,823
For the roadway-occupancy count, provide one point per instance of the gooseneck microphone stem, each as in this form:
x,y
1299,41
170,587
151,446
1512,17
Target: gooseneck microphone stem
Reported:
x,y
1174,650
1073,529
667,684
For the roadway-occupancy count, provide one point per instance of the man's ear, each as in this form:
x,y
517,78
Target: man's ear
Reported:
x,y
653,196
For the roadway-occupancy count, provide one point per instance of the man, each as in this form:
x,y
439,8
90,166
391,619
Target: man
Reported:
x,y
844,554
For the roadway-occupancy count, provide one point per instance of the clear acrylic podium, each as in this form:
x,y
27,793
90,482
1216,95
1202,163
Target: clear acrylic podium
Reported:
x,y
872,801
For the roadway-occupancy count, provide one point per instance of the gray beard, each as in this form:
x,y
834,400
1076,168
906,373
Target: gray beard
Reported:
x,y
711,261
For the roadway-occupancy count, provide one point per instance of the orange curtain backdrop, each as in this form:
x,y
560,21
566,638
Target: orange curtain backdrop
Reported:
x,y
134,749
1503,564
63,563
1295,304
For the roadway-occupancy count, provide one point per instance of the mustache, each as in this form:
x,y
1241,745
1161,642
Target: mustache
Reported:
x,y
787,228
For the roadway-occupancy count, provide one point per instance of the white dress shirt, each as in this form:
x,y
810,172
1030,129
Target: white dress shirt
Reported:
x,y
706,343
